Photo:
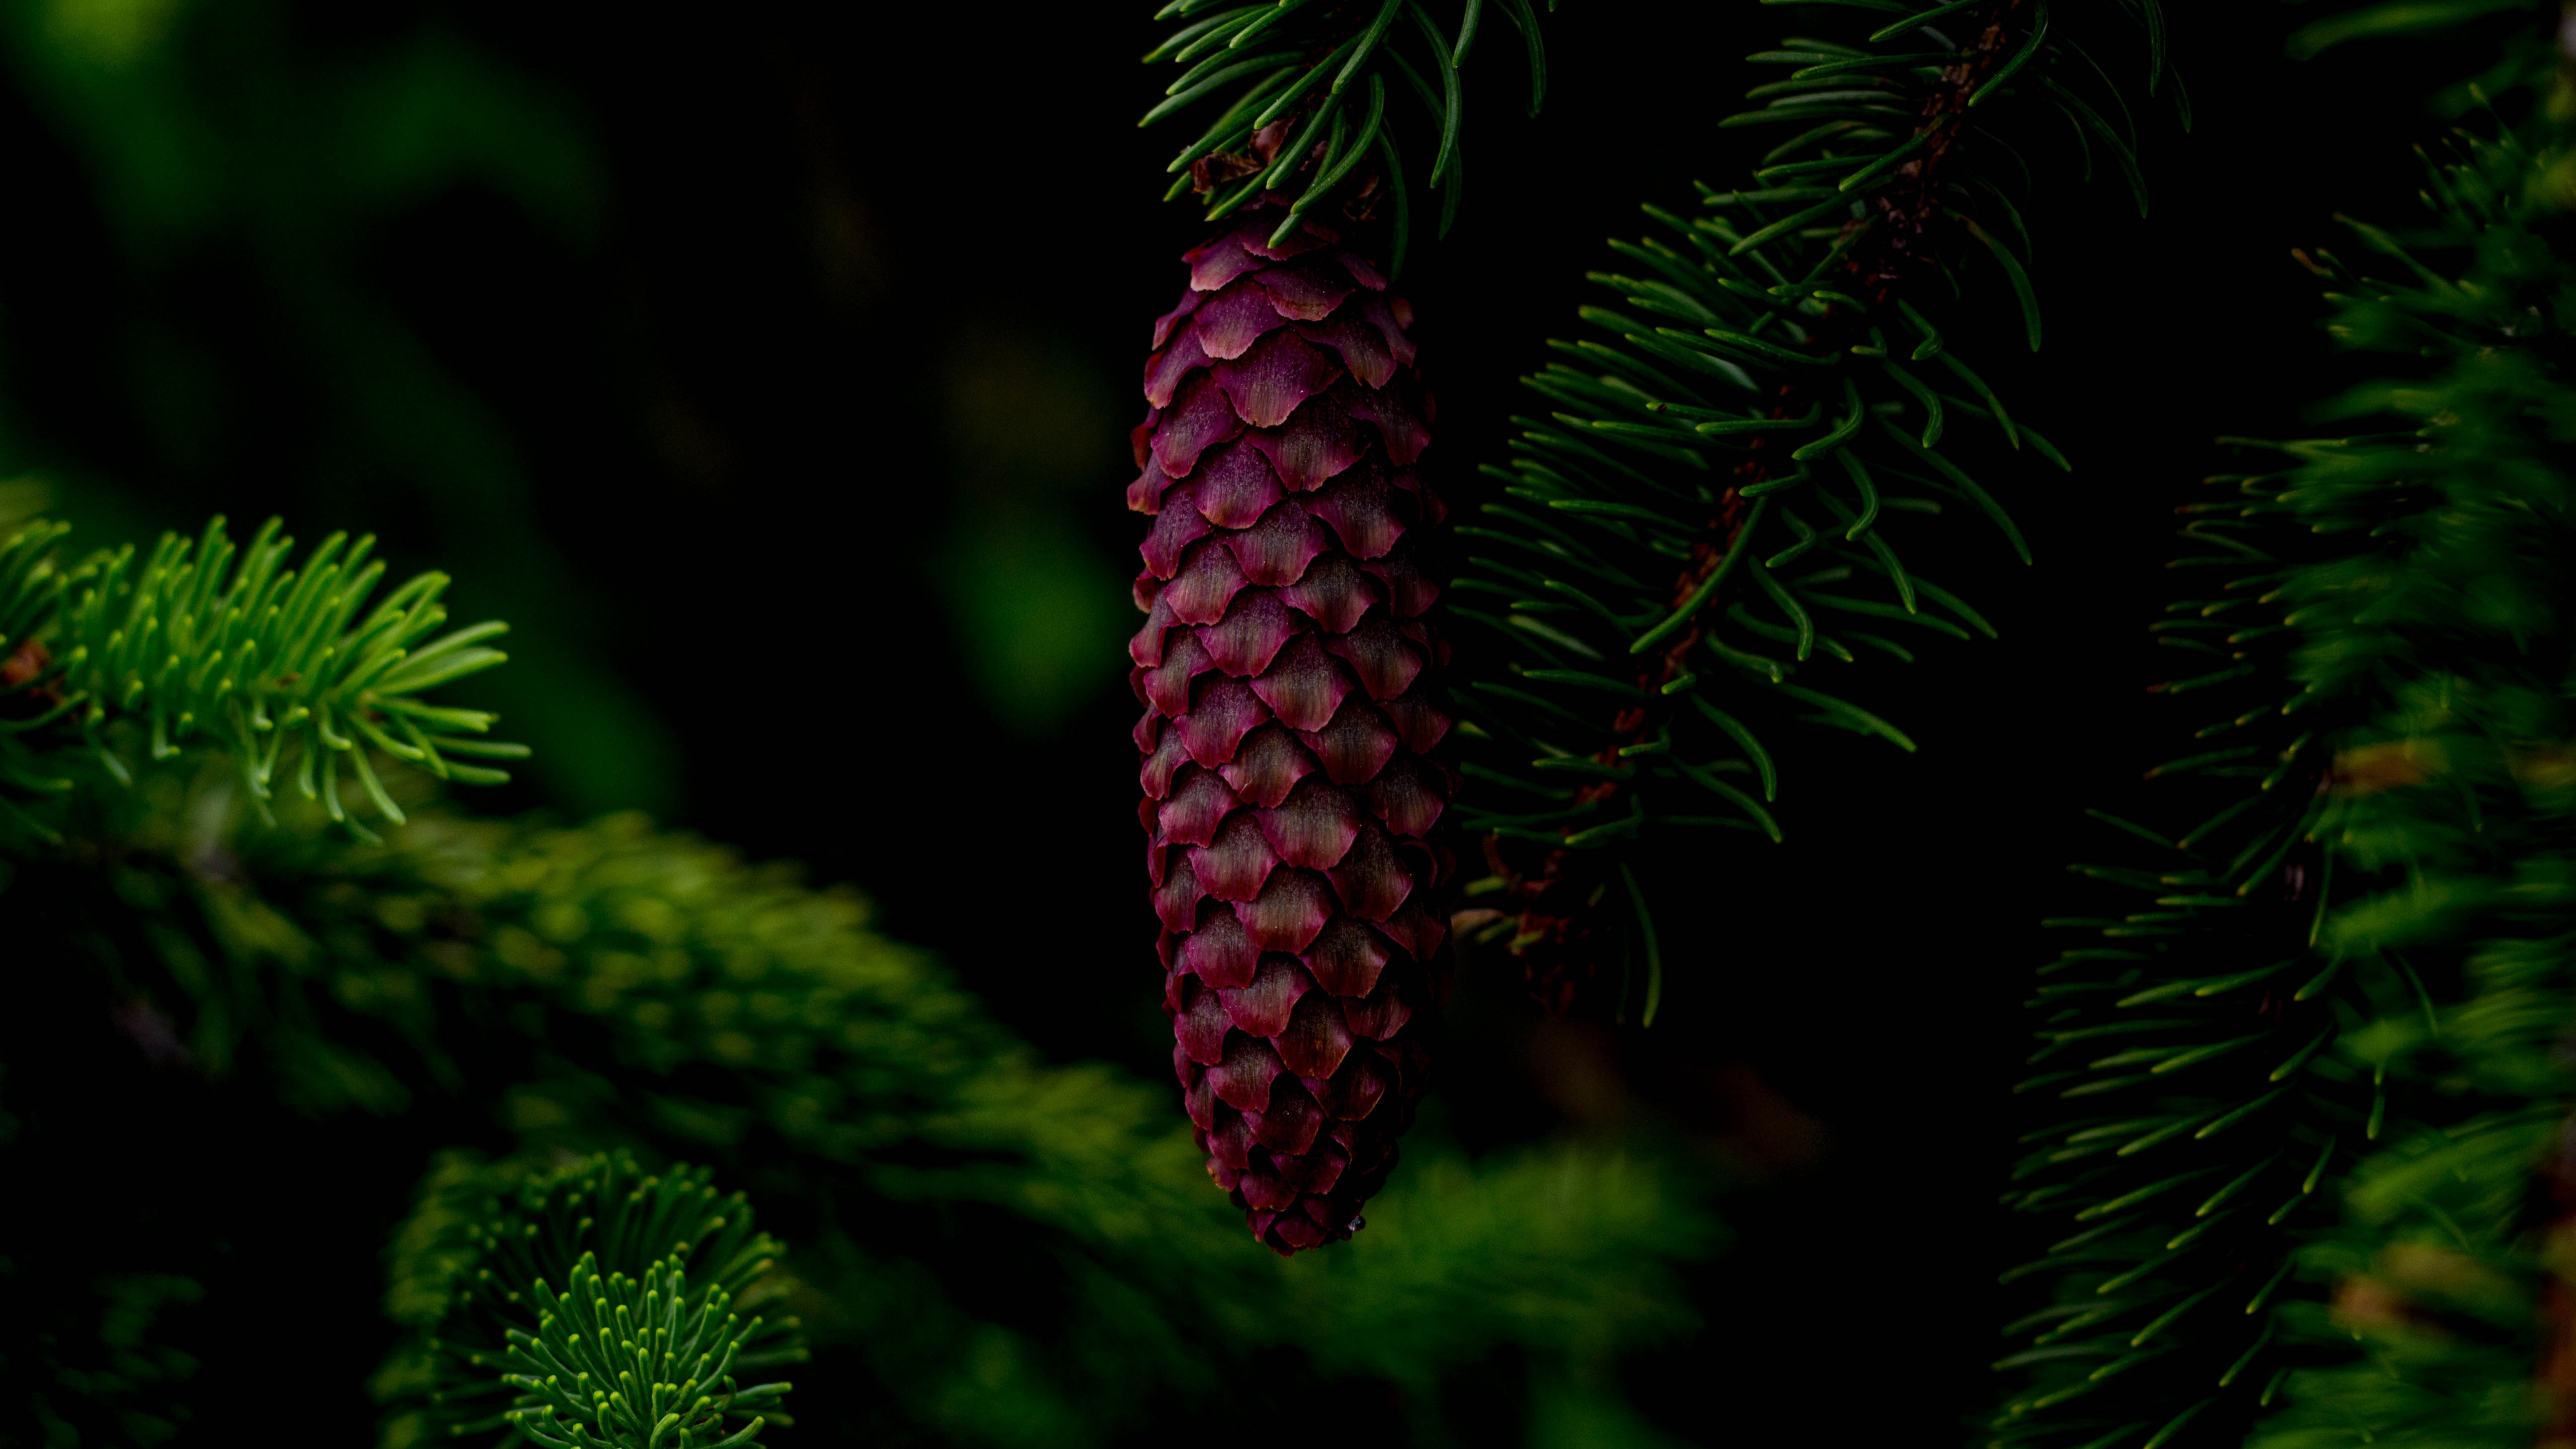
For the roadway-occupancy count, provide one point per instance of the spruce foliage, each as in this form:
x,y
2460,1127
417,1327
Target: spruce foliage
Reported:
x,y
629,1353
2347,987
1313,90
204,637
1703,527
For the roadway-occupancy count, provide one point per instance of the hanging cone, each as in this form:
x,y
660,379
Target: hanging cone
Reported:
x,y
1287,670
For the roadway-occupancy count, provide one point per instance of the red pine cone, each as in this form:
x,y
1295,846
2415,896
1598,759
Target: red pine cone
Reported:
x,y
1286,670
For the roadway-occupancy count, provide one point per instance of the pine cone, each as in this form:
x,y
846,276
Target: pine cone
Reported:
x,y
1286,669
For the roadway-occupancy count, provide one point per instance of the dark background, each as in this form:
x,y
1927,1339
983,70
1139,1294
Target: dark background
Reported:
x,y
769,367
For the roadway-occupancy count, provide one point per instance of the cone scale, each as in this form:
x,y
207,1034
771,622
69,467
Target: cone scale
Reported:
x,y
1291,802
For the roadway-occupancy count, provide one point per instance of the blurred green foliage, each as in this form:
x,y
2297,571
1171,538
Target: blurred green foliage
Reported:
x,y
1039,609
991,1249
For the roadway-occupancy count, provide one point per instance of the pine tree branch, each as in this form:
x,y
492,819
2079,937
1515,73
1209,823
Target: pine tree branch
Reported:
x,y
642,1345
227,647
1745,417
2384,912
1306,95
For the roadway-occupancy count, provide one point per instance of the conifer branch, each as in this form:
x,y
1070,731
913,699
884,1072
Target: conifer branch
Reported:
x,y
2348,986
1704,514
637,1351
1305,95
210,643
